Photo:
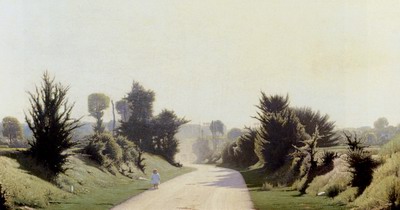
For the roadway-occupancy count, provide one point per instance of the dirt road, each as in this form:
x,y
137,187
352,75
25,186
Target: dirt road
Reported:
x,y
207,188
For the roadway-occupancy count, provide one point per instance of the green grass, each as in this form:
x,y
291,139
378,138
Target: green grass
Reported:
x,y
120,188
283,198
93,188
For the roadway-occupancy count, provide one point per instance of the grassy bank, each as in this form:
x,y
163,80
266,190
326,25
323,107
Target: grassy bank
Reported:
x,y
282,198
94,188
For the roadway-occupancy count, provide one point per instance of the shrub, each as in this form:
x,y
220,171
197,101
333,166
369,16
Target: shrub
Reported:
x,y
94,149
334,190
113,151
129,152
360,162
103,149
361,167
328,157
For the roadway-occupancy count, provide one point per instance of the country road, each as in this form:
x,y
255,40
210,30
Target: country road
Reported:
x,y
207,188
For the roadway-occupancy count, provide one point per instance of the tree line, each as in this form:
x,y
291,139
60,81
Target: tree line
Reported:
x,y
139,130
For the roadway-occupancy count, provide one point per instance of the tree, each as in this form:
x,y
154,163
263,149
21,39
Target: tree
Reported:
x,y
311,120
12,129
122,107
381,123
167,125
244,150
234,134
139,128
216,127
97,103
308,152
51,123
241,152
279,130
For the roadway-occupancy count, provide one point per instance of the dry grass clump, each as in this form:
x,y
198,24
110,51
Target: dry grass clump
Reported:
x,y
339,176
391,147
266,186
385,187
347,196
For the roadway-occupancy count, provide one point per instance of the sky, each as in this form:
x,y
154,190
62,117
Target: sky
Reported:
x,y
208,59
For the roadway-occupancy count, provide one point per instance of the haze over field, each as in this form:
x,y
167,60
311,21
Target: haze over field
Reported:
x,y
208,59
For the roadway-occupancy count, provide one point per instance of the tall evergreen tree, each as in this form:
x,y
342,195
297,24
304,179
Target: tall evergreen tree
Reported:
x,y
139,127
51,123
311,120
279,130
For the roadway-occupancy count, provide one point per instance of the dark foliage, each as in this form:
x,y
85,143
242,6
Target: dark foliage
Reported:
x,y
139,127
151,134
333,190
360,162
51,123
241,152
279,130
245,147
164,142
311,120
328,157
139,161
354,142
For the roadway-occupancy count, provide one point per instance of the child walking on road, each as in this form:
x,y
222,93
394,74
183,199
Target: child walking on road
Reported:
x,y
155,179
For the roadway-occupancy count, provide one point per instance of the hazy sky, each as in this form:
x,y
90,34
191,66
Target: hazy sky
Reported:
x,y
208,59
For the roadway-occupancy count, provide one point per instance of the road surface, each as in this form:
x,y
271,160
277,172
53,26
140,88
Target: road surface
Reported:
x,y
207,188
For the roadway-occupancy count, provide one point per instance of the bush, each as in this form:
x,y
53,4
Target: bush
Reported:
x,y
334,190
113,151
103,149
361,167
129,151
360,162
328,157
